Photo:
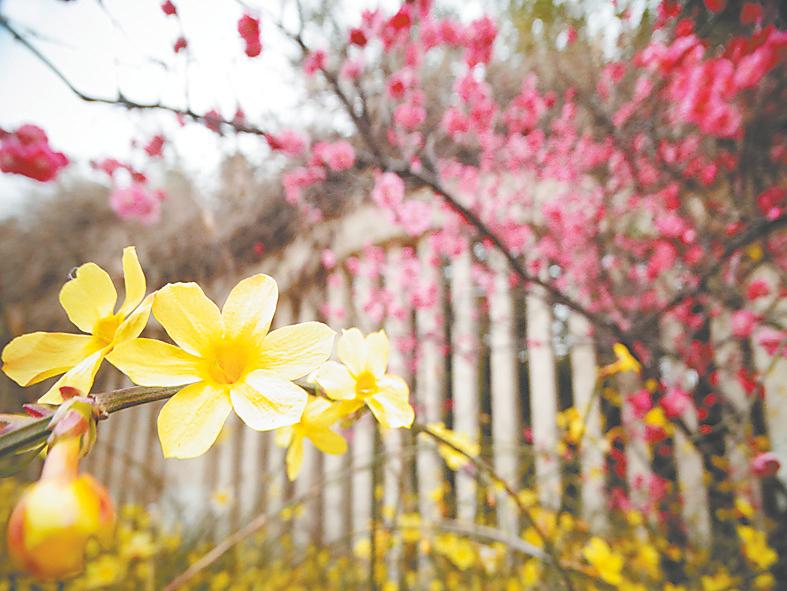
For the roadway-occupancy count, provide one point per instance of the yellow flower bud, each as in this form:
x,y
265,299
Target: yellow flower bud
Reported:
x,y
57,516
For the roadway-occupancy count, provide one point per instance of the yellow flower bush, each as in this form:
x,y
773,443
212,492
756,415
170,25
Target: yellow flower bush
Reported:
x,y
608,564
460,441
315,425
227,360
625,362
89,301
361,378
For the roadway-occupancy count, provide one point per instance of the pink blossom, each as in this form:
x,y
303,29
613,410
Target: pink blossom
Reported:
x,y
757,289
675,402
751,13
663,258
455,122
772,340
337,156
743,323
328,259
26,152
155,146
168,8
351,69
479,39
409,115
290,142
137,202
765,464
296,180
180,44
415,217
314,62
388,191
640,403
399,83
249,30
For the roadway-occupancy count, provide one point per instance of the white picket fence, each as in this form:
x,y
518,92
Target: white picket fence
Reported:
x,y
244,474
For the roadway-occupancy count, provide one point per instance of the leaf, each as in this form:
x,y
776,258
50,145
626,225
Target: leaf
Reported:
x,y
20,434
13,463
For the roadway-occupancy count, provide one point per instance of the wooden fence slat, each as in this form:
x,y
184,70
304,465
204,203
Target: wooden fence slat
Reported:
x,y
503,351
465,378
430,382
363,432
688,460
336,496
543,396
306,526
587,400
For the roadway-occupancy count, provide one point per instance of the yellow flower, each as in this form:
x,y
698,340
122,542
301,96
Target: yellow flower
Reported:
x,y
458,550
227,360
607,563
315,423
625,362
361,379
721,581
89,301
756,548
453,459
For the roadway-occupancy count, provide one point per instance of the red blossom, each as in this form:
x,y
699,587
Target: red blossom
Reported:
x,y
27,152
168,8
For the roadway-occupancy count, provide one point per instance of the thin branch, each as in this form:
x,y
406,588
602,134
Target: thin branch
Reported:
x,y
750,235
121,99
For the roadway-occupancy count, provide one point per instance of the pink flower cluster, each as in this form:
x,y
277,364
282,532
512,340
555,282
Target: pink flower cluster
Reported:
x,y
704,89
27,152
249,30
337,156
137,202
289,142
412,215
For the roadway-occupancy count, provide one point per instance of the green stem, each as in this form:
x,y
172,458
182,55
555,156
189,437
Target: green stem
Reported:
x,y
115,400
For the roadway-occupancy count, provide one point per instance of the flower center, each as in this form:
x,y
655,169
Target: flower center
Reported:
x,y
365,384
105,328
228,363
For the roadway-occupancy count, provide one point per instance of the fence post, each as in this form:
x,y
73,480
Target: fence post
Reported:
x,y
337,499
583,379
464,374
543,395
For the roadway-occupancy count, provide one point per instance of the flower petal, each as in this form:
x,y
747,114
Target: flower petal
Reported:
x,y
80,376
295,456
132,326
250,306
266,401
377,347
31,358
149,362
188,316
88,297
293,351
191,420
336,380
391,405
283,436
134,280
352,350
327,441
